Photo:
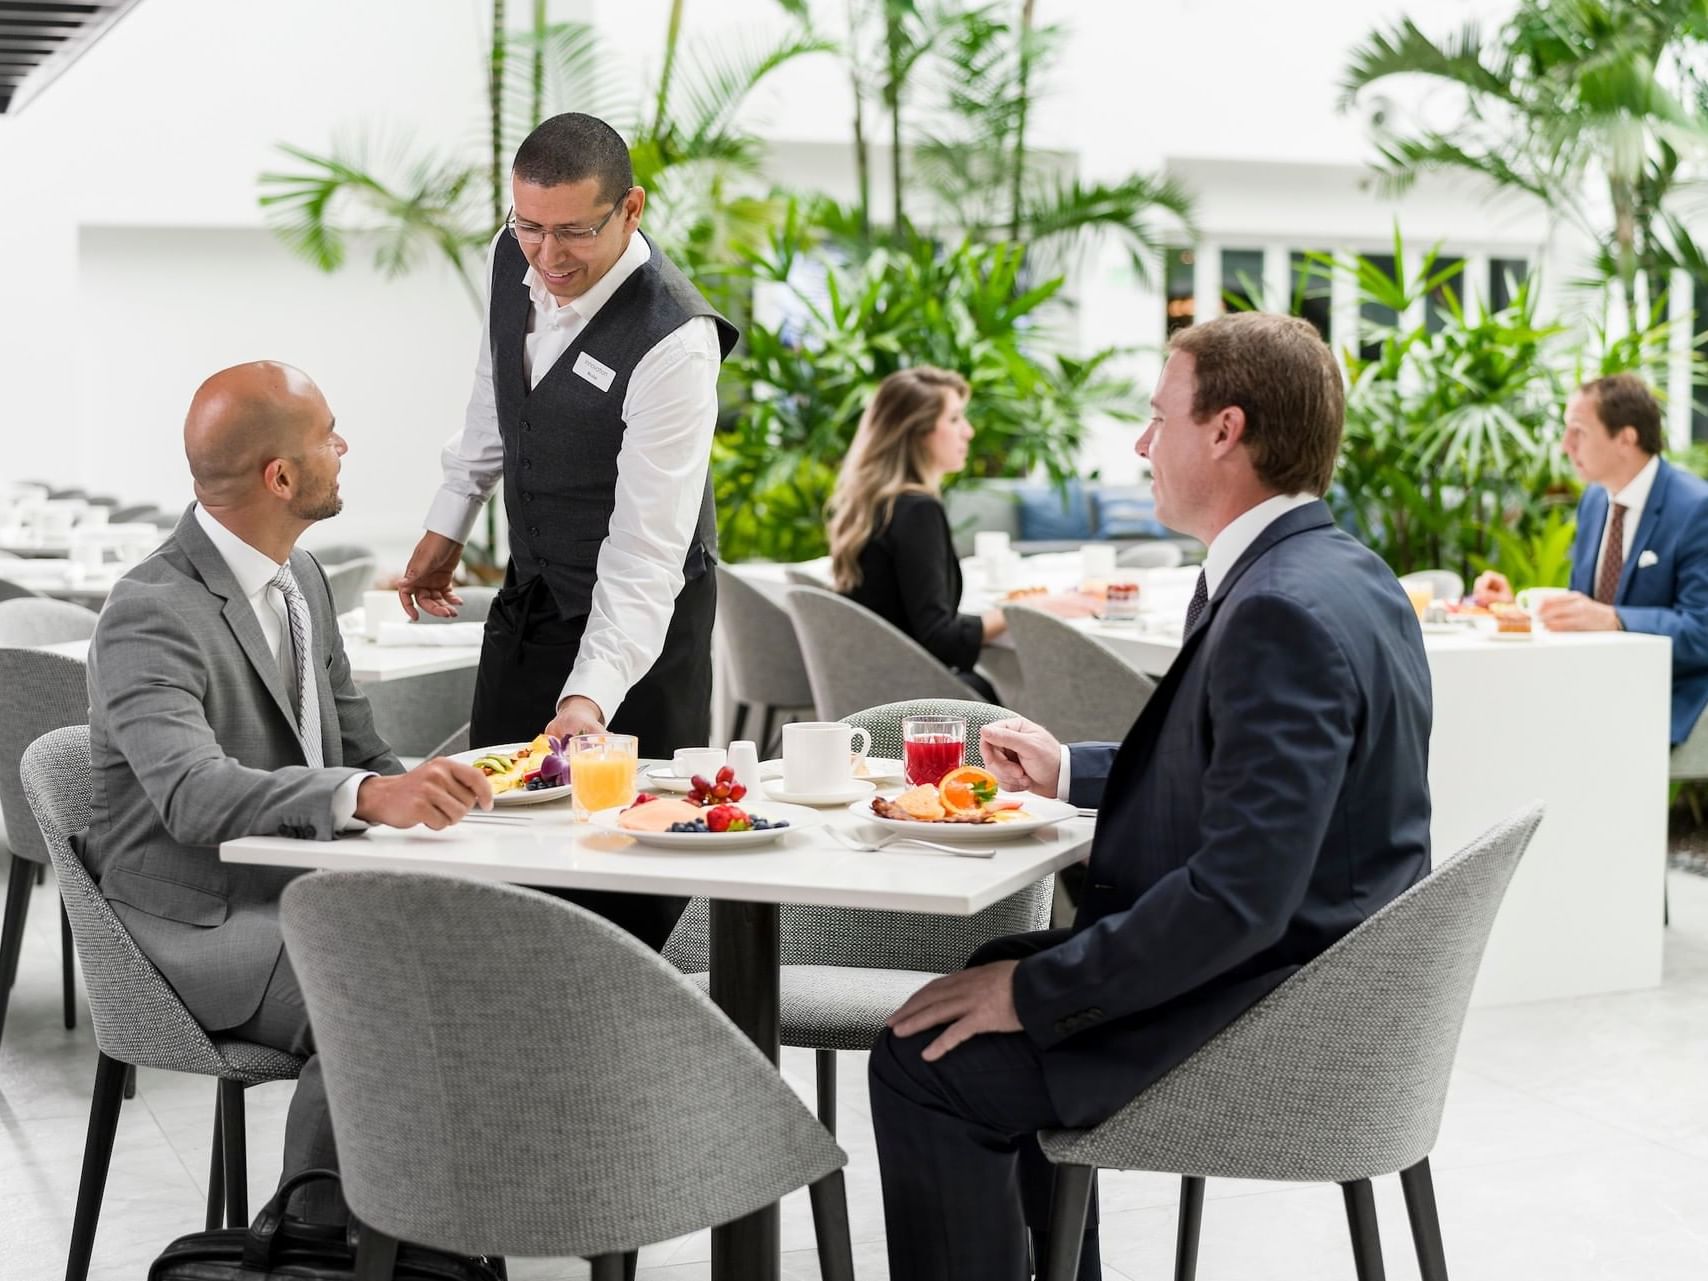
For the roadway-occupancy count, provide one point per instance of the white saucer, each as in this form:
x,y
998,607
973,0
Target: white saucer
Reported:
x,y
855,789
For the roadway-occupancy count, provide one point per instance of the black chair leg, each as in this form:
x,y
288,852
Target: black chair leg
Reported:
x,y
1186,1235
1425,1222
1067,1221
130,1081
741,710
18,887
376,1255
826,1063
41,873
68,967
607,1267
216,1170
631,1265
234,1136
104,1108
1366,1238
766,731
830,1227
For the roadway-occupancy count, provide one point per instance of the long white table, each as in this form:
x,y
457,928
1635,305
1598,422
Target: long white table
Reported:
x,y
803,866
370,664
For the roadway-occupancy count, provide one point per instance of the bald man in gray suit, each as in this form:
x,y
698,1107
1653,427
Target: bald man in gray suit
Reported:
x,y
221,705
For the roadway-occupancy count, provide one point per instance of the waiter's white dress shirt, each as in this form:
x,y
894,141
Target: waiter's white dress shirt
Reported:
x,y
669,413
1633,498
254,571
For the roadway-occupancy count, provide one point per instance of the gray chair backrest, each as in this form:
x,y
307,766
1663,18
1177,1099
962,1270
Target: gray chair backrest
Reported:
x,y
39,621
39,692
511,1074
1341,1073
1160,554
138,1017
762,652
137,513
855,659
795,576
875,940
457,742
338,553
1075,685
348,580
1447,584
14,591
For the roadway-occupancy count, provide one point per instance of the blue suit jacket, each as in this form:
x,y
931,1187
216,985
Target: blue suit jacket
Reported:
x,y
1273,794
1668,597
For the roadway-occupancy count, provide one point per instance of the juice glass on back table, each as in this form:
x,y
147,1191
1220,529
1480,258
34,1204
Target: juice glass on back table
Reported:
x,y
932,746
601,772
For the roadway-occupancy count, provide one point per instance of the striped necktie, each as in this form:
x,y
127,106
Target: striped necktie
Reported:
x,y
1612,557
302,647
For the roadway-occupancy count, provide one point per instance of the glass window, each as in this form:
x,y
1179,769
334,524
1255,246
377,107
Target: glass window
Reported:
x,y
1242,280
1505,276
1435,310
1179,272
1373,313
1310,282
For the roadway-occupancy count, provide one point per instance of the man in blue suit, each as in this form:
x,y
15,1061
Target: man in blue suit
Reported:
x,y
1640,558
1272,794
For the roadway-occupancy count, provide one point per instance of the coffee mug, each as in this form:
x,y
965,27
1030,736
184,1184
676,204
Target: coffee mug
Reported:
x,y
705,761
381,607
816,755
1531,598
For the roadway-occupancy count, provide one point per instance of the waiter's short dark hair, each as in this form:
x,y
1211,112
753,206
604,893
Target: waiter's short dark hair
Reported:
x,y
572,148
1624,400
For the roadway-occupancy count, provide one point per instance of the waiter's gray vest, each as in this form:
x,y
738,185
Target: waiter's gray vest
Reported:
x,y
561,439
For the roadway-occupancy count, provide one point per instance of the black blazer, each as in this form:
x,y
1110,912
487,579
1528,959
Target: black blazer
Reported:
x,y
1273,794
910,576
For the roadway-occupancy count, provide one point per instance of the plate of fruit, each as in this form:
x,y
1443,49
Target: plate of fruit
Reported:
x,y
673,822
664,778
965,805
523,773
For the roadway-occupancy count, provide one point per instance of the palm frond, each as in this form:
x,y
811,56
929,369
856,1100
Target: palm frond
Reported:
x,y
717,77
1403,49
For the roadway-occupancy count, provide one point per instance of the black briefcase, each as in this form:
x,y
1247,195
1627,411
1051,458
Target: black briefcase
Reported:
x,y
280,1247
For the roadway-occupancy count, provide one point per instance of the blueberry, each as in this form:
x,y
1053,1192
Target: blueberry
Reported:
x,y
782,822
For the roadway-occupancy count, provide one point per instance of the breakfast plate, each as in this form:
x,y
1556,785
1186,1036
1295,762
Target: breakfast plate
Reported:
x,y
796,816
664,778
516,796
852,790
1037,812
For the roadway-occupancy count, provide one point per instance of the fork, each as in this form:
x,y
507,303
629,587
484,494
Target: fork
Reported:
x,y
893,842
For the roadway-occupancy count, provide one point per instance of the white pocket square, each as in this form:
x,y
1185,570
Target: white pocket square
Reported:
x,y
1647,559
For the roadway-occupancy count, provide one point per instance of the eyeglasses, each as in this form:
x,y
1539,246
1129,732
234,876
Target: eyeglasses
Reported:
x,y
528,234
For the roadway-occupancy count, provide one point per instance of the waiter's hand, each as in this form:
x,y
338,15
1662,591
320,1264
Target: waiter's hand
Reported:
x,y
577,715
427,581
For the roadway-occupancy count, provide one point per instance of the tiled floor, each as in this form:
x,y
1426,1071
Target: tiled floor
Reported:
x,y
1575,1148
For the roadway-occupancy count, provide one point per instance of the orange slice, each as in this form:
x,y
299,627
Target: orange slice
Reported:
x,y
967,790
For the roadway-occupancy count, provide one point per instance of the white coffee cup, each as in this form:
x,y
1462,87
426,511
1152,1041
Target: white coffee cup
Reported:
x,y
990,546
1096,561
705,761
1531,600
378,608
816,755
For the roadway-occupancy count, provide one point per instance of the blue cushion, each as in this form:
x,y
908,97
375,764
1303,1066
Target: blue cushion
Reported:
x,y
1126,512
1047,515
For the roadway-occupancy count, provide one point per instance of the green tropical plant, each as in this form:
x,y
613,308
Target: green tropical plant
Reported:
x,y
1542,559
1570,94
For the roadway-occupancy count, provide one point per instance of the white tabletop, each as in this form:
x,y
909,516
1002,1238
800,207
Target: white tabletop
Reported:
x,y
805,866
369,663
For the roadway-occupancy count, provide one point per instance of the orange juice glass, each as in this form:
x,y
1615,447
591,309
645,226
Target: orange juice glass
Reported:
x,y
601,772
1420,595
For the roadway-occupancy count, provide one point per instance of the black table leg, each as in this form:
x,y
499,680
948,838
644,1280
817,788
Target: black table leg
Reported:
x,y
745,975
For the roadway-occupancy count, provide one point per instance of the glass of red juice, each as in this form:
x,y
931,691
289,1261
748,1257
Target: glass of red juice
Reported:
x,y
932,746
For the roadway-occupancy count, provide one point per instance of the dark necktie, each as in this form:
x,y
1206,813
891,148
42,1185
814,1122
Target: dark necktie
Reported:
x,y
1612,557
1200,602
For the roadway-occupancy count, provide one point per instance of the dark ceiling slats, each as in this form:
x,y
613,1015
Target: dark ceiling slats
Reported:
x,y
40,38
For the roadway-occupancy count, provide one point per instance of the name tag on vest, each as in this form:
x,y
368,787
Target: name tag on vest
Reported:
x,y
601,376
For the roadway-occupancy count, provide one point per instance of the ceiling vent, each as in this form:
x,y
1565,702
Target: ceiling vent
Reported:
x,y
39,39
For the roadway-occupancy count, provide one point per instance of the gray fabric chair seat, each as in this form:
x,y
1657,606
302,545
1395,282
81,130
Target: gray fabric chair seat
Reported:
x,y
855,659
838,1007
39,621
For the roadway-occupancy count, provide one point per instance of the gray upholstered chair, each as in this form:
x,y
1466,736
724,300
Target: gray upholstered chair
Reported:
x,y
338,553
347,580
512,1075
762,656
855,659
415,714
1339,1075
1076,686
799,576
139,514
845,970
1157,554
138,1018
39,692
15,591
458,741
39,621
1446,584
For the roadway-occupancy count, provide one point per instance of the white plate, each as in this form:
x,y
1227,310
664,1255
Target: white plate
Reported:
x,y
1040,812
879,769
796,816
664,778
520,795
853,790
1511,636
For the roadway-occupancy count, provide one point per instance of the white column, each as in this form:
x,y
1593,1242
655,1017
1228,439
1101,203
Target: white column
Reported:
x,y
1277,279
1343,305
1207,282
1681,306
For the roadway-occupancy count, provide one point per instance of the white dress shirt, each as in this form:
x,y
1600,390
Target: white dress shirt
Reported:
x,y
254,571
669,413
1224,552
1632,498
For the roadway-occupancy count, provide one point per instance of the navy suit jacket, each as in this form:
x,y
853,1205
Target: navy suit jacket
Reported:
x,y
1668,597
1273,794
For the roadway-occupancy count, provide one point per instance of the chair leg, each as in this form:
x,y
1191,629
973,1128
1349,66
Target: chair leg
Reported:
x,y
765,731
830,1227
1191,1220
741,710
130,1080
1425,1222
631,1265
376,1255
826,1062
216,1169
104,1108
607,1267
68,967
234,1137
1366,1238
41,873
18,887
1067,1221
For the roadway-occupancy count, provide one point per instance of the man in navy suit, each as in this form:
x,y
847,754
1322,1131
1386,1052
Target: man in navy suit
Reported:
x,y
1640,558
1272,794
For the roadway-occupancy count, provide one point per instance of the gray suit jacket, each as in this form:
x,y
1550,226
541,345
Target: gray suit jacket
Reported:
x,y
193,741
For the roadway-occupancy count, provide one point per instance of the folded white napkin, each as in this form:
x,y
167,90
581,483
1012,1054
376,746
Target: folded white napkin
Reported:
x,y
452,634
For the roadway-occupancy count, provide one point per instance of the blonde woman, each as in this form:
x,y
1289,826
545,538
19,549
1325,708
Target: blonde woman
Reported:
x,y
890,544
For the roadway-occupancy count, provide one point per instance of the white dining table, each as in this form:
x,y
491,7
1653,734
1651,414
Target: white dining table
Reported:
x,y
542,845
370,663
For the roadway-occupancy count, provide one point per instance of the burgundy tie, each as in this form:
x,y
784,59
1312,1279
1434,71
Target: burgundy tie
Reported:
x,y
1612,557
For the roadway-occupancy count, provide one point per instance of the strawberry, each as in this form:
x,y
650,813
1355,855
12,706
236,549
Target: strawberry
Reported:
x,y
718,817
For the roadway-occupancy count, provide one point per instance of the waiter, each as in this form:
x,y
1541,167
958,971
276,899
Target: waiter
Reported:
x,y
595,397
